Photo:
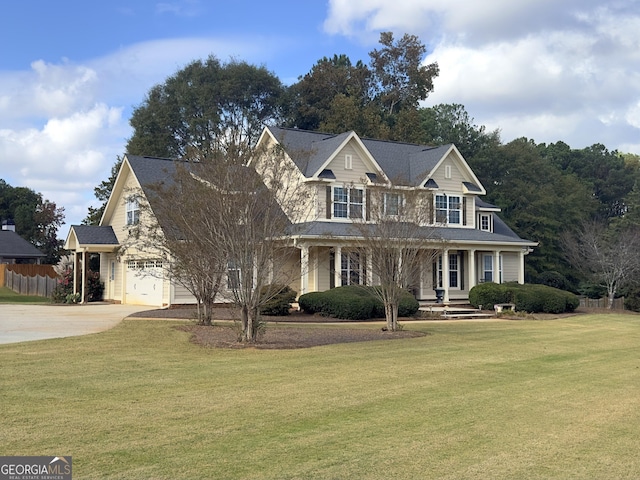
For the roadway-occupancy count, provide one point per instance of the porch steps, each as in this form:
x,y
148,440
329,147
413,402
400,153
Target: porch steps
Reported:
x,y
451,312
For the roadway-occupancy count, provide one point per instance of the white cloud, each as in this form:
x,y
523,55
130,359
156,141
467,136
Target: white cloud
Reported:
x,y
543,69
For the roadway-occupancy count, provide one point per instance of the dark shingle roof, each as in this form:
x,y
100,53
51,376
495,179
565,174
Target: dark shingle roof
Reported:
x,y
13,245
402,163
93,235
502,234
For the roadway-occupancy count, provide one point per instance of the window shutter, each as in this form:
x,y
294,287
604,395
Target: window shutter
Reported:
x,y
462,255
367,205
328,202
464,211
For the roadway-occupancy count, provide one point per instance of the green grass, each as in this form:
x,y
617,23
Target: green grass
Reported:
x,y
472,400
9,296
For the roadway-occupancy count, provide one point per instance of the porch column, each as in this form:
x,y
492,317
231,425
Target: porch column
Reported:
x,y
304,269
521,267
496,266
338,267
84,277
472,268
76,271
445,274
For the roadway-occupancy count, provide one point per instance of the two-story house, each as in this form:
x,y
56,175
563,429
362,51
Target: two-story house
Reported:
x,y
339,172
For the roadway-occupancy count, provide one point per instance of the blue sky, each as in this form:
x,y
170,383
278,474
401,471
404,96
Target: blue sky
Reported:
x,y
71,71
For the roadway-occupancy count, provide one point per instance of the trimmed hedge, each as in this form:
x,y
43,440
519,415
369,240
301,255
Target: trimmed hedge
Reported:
x,y
353,303
532,298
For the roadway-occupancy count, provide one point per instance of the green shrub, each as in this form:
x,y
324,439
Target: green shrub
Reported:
x,y
95,288
353,303
554,279
532,298
632,299
280,302
64,288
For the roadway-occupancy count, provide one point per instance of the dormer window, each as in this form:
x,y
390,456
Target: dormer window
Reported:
x,y
485,222
448,209
132,209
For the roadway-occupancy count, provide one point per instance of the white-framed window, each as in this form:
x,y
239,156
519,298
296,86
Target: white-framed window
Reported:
x,y
485,222
348,162
454,271
487,269
348,202
132,208
448,209
233,275
392,204
352,269
447,171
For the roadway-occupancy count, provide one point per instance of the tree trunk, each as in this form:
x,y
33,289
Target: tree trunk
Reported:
x,y
249,324
610,298
391,313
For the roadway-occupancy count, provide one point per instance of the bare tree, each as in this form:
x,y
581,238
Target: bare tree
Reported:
x,y
608,257
174,225
396,237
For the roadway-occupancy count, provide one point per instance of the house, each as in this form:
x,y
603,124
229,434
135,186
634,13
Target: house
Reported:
x,y
15,249
337,171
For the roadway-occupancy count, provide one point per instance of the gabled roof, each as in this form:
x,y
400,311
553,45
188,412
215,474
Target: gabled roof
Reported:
x,y
405,164
84,236
13,245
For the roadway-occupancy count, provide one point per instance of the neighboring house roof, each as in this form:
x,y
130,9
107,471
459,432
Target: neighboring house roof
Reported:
x,y
14,246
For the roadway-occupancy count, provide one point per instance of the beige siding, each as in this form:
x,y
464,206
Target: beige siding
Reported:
x,y
181,295
510,266
356,175
453,184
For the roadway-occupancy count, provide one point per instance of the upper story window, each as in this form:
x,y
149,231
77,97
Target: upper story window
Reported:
x,y
485,222
392,202
132,208
448,209
348,202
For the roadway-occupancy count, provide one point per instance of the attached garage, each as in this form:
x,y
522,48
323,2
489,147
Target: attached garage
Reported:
x,y
144,282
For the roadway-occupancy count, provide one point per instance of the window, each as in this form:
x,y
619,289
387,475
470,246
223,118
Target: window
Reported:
x,y
487,269
133,210
352,270
454,271
447,171
233,276
348,202
392,204
485,223
448,209
348,162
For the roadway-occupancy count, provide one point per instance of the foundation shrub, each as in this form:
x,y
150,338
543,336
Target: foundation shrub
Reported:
x,y
353,303
280,302
528,298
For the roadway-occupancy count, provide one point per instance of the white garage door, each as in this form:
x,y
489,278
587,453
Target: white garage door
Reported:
x,y
144,283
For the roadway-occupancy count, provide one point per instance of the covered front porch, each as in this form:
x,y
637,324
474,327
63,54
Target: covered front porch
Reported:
x,y
454,270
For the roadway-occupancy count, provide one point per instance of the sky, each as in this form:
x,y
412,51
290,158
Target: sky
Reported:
x,y
72,71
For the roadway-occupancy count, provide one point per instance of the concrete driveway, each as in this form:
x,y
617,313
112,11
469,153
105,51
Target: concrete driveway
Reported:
x,y
21,323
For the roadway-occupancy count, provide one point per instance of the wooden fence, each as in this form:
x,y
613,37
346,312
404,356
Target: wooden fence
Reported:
x,y
39,280
618,303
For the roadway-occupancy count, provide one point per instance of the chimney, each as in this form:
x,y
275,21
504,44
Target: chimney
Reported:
x,y
9,225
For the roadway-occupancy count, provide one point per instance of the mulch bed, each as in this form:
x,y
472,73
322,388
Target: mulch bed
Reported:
x,y
275,336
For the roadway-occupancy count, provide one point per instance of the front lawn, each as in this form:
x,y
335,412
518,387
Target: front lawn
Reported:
x,y
484,400
9,296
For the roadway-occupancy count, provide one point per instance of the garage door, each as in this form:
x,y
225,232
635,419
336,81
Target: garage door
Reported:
x,y
144,282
